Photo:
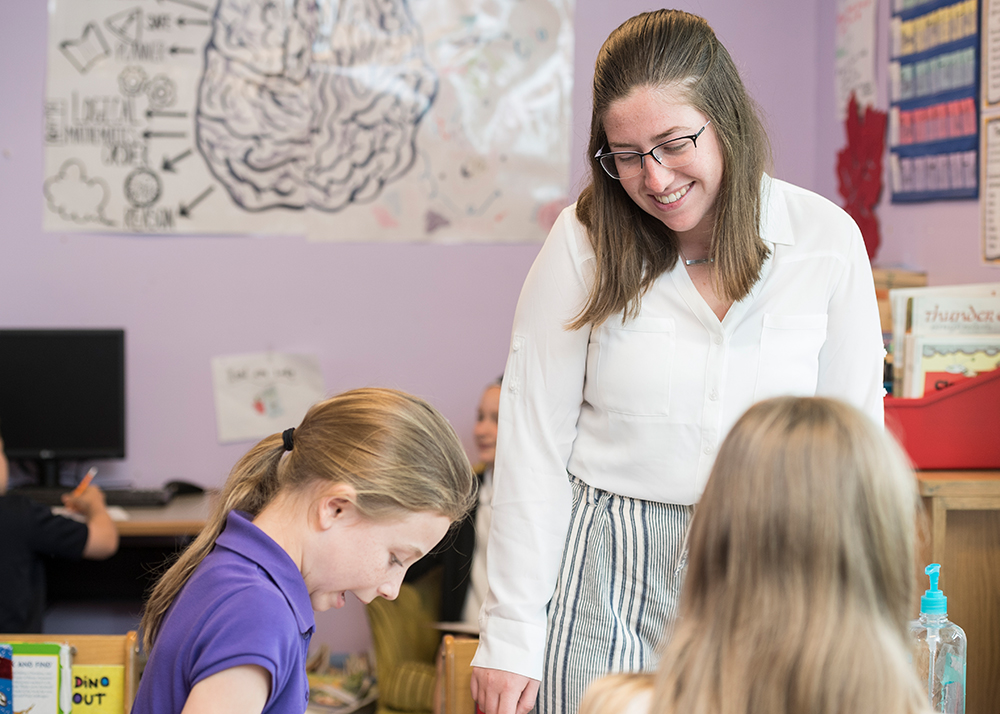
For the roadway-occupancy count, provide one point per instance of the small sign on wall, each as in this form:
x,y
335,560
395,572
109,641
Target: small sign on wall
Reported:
x,y
260,394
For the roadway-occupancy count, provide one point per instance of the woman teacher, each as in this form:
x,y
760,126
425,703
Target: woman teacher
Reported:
x,y
683,286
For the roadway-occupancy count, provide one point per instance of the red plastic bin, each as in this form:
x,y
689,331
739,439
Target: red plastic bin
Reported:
x,y
955,428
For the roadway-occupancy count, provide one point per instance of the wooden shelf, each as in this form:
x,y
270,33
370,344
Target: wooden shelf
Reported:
x,y
963,535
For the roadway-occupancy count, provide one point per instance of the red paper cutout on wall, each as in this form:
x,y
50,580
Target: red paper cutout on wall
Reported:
x,y
859,170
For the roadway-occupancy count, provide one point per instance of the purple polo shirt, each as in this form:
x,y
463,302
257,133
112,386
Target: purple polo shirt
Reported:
x,y
246,603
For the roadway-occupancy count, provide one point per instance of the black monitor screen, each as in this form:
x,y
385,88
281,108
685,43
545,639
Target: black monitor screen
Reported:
x,y
62,394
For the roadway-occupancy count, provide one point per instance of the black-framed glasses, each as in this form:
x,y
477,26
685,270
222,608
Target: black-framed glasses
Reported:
x,y
672,154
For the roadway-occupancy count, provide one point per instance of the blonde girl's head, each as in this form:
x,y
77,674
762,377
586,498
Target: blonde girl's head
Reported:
x,y
622,693
396,453
800,571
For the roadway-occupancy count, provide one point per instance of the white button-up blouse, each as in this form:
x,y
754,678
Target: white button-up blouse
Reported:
x,y
640,409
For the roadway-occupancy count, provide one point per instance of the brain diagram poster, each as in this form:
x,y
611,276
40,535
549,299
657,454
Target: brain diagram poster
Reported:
x,y
352,120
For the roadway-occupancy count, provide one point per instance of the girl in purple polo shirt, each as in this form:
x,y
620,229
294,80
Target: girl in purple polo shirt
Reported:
x,y
366,485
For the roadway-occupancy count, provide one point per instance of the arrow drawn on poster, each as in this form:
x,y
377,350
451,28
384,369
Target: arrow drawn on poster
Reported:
x,y
168,164
185,211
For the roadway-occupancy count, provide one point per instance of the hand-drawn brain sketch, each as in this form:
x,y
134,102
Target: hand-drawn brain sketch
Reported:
x,y
312,104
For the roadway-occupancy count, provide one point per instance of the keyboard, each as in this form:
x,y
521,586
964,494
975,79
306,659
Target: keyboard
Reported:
x,y
124,497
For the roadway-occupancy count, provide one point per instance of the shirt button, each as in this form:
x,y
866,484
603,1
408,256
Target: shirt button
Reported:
x,y
713,395
708,448
717,339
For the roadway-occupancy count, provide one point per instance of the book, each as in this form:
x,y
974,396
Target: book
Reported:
x,y
6,670
885,280
947,315
40,677
935,362
900,308
98,688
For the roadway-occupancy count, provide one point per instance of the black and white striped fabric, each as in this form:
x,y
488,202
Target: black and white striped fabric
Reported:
x,y
617,592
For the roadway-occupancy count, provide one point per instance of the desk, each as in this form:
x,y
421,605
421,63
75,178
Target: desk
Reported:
x,y
183,516
963,510
149,540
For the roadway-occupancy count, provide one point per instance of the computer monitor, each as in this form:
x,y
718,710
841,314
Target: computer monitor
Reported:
x,y
62,397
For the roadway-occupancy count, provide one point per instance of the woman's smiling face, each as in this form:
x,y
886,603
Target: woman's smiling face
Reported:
x,y
683,198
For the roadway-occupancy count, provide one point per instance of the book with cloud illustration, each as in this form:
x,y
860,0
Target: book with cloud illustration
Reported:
x,y
936,362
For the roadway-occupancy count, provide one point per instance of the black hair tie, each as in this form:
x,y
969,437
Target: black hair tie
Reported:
x,y
287,438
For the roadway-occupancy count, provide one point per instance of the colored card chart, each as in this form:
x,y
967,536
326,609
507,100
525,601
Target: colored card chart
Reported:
x,y
933,111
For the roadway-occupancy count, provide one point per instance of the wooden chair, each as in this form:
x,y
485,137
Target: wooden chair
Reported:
x,y
455,675
98,649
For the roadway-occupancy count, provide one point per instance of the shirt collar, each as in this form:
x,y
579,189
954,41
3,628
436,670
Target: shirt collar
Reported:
x,y
776,225
242,537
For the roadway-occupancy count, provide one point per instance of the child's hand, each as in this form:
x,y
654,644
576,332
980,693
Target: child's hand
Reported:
x,y
88,503
102,535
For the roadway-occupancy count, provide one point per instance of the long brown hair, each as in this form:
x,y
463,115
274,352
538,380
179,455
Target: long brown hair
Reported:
x,y
679,51
800,573
395,450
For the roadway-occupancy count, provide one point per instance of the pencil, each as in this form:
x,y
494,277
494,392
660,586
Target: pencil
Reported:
x,y
78,491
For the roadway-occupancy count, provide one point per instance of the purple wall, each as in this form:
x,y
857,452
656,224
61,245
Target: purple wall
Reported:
x,y
433,320
430,319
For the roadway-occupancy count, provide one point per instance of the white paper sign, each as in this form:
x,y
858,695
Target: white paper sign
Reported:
x,y
991,188
854,63
257,395
991,50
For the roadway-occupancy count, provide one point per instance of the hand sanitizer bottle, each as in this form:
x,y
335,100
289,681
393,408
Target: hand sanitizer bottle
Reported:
x,y
939,649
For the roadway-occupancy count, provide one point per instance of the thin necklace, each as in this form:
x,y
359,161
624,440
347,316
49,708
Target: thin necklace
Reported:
x,y
695,261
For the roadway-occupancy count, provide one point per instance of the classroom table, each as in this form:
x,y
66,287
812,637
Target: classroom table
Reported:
x,y
149,539
185,515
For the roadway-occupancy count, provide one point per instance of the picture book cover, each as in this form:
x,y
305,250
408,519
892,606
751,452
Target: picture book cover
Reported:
x,y
36,673
98,688
900,299
939,362
6,671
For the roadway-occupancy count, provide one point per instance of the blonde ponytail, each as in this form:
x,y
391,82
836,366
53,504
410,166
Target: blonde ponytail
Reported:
x,y
251,486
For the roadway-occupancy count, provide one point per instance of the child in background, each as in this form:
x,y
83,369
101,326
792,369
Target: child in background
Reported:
x,y
462,556
800,572
365,486
621,693
29,531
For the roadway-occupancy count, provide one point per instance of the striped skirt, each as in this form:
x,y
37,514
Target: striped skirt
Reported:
x,y
617,592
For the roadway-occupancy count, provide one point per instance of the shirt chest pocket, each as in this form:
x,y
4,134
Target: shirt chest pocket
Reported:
x,y
628,367
789,355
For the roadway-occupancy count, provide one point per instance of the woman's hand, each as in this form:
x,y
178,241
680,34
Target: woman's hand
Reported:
x,y
500,692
